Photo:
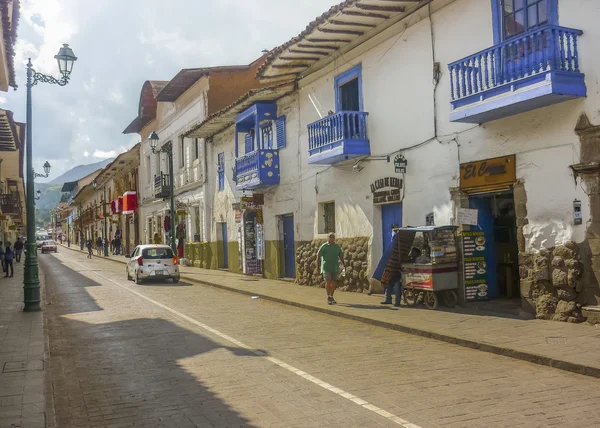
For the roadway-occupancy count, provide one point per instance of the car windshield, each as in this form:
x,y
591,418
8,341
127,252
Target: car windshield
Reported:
x,y
49,243
157,253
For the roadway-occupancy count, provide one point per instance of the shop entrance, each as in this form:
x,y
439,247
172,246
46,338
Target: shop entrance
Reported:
x,y
497,220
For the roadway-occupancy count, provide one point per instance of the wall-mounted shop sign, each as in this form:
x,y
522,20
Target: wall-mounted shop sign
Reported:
x,y
496,171
400,164
249,203
387,190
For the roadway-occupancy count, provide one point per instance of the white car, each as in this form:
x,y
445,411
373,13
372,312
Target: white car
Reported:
x,y
149,262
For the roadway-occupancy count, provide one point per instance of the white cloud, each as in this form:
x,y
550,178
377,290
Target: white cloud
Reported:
x,y
105,155
3,100
120,44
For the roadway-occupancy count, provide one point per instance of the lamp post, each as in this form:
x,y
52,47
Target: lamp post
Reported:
x,y
168,149
31,282
95,184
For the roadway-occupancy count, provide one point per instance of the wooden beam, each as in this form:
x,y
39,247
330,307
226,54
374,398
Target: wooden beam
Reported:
x,y
351,23
279,76
299,58
326,47
364,14
289,66
353,33
318,40
394,9
310,52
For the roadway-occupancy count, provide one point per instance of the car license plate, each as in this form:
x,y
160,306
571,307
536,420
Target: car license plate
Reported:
x,y
158,272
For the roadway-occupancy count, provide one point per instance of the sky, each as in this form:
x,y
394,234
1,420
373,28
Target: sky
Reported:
x,y
122,43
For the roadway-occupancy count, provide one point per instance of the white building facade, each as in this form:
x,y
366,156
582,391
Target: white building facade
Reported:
x,y
490,104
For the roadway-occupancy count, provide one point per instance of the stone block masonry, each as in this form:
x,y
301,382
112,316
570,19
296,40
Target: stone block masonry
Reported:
x,y
356,252
551,282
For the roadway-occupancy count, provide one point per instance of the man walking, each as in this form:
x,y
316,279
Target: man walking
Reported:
x,y
90,247
18,250
328,258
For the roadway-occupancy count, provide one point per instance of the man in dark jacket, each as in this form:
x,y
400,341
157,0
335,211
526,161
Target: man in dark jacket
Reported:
x,y
18,250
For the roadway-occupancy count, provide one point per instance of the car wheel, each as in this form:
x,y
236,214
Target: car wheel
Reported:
x,y
137,279
129,278
175,280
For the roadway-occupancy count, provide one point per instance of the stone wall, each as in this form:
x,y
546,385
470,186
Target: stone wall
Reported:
x,y
551,283
356,252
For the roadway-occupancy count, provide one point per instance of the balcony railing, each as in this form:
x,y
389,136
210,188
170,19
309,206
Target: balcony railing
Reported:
x,y
544,49
338,137
257,169
162,186
11,204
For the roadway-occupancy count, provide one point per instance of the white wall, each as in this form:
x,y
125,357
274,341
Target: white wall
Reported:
x,y
398,93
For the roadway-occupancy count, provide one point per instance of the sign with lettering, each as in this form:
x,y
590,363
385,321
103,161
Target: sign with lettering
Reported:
x,y
260,242
247,203
400,164
387,190
476,266
496,171
467,216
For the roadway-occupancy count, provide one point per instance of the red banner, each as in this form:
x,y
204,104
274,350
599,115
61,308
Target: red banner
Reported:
x,y
129,202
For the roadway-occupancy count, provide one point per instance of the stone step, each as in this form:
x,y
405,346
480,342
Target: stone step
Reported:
x,y
592,313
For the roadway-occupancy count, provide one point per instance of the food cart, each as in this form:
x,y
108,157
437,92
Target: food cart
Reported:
x,y
429,265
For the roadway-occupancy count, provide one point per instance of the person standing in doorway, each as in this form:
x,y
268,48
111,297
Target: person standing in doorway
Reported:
x,y
157,240
328,258
18,249
9,255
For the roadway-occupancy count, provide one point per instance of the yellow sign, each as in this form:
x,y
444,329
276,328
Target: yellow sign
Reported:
x,y
496,171
12,227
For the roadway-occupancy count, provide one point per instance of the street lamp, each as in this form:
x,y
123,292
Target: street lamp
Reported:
x,y
168,149
95,184
31,282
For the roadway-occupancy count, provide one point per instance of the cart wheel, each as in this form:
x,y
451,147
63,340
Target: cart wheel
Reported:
x,y
450,298
410,297
431,299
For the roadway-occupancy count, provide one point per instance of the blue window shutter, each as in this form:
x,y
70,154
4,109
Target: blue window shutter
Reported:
x,y
280,125
249,143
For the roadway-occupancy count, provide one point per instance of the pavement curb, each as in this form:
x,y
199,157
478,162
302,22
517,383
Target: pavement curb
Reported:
x,y
480,346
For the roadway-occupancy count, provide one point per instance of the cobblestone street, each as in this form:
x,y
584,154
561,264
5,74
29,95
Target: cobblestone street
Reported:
x,y
187,355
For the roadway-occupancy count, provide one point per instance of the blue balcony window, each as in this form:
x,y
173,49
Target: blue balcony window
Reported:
x,y
535,69
258,166
338,137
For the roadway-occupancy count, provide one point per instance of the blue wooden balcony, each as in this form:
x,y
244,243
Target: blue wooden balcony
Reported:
x,y
258,169
338,137
534,70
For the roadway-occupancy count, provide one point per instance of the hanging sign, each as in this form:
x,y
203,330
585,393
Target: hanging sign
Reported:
x,y
476,266
387,190
400,164
467,216
258,199
495,171
247,203
238,216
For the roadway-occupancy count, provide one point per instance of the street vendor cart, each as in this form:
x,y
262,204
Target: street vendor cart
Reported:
x,y
429,265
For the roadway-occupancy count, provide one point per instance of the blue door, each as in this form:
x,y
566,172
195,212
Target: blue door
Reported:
x,y
391,214
225,263
288,247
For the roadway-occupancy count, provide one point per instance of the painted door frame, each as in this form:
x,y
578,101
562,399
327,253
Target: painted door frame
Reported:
x,y
287,247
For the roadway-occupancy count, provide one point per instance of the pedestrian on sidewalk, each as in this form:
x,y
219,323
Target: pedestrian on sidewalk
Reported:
x,y
90,247
328,258
18,250
9,255
99,246
117,246
2,257
112,245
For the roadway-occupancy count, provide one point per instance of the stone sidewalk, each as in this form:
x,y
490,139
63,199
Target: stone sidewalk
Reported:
x,y
24,401
572,347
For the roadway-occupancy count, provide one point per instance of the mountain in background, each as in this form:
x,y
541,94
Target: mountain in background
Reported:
x,y
51,191
79,172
